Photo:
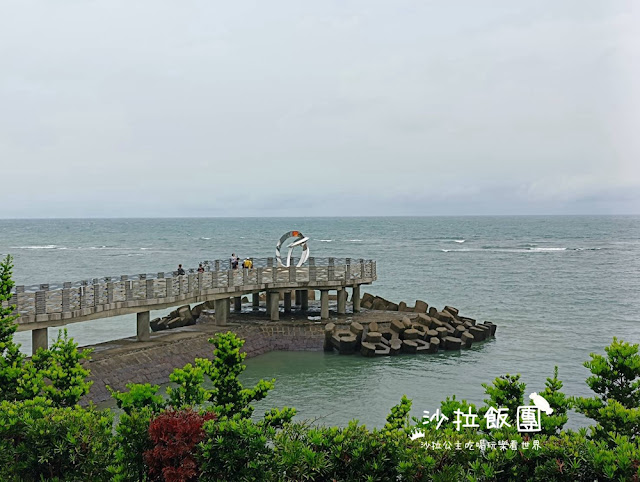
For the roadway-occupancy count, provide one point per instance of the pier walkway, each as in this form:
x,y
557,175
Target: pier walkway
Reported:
x,y
50,305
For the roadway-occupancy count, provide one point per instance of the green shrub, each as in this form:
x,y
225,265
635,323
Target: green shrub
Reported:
x,y
616,381
39,440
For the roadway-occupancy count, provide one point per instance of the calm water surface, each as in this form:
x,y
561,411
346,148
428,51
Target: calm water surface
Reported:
x,y
558,287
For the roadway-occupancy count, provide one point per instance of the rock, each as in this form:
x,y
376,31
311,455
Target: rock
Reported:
x,y
449,328
373,337
382,350
432,312
245,299
154,324
207,316
397,326
423,346
367,305
406,321
409,346
467,339
465,319
184,312
388,334
392,307
452,310
379,304
492,326
433,348
478,333
196,310
410,334
445,316
442,332
436,323
312,295
425,320
373,326
421,307
328,334
420,327
367,349
345,343
467,325
174,323
402,306
432,333
395,346
367,297
357,329
460,330
452,343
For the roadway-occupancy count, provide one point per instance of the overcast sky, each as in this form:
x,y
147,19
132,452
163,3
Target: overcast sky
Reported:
x,y
206,108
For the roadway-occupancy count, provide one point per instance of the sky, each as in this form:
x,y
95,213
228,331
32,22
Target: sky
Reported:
x,y
333,108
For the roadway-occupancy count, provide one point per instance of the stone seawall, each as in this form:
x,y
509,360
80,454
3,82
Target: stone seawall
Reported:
x,y
127,361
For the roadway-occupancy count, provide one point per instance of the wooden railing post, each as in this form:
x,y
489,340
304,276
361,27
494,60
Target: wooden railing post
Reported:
x,y
259,273
292,273
109,290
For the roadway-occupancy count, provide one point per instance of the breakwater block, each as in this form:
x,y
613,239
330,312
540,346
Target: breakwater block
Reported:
x,y
417,330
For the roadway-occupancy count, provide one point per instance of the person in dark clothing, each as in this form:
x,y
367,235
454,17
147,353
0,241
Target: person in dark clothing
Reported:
x,y
200,268
180,270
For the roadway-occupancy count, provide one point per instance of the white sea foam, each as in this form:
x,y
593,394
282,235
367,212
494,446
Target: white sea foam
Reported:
x,y
547,249
459,240
324,240
354,240
48,246
205,239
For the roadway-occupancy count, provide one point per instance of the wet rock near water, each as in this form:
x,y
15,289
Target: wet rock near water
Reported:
x,y
417,329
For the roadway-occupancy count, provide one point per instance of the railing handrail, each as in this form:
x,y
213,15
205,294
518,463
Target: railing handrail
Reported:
x,y
224,265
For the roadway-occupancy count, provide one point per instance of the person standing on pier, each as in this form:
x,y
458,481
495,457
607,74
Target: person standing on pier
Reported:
x,y
234,261
200,268
247,263
180,270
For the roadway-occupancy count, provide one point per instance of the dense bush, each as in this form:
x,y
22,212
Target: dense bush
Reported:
x,y
39,440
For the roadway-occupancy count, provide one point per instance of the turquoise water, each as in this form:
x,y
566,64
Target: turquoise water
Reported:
x,y
559,287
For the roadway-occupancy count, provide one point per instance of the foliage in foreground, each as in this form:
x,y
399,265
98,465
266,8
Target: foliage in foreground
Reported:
x,y
209,434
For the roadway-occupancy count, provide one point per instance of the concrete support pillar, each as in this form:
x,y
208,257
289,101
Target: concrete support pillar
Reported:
x,y
287,301
304,300
342,301
237,304
298,297
221,311
255,298
142,326
39,339
324,304
355,298
274,305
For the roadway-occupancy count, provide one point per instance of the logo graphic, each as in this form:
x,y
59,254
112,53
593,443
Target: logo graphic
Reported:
x,y
541,403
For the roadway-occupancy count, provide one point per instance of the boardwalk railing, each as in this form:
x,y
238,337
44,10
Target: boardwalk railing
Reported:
x,y
76,299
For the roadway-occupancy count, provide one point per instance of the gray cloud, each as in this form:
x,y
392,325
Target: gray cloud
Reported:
x,y
361,108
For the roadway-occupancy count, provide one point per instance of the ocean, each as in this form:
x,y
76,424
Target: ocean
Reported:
x,y
558,287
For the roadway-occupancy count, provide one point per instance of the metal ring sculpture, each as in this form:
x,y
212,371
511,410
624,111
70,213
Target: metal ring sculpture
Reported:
x,y
301,240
